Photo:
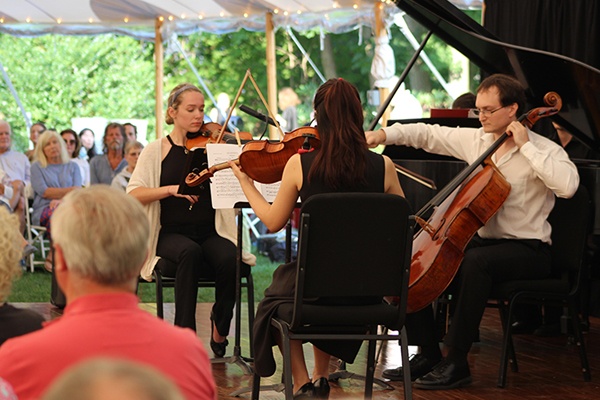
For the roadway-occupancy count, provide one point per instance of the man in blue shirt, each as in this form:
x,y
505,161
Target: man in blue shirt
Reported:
x,y
105,167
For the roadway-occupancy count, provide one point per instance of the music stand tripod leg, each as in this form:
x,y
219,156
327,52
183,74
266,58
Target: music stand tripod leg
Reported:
x,y
237,358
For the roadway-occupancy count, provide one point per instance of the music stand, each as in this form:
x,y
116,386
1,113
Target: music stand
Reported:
x,y
237,357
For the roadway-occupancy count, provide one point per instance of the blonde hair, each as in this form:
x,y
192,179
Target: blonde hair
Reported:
x,y
287,98
133,144
175,98
12,250
99,378
103,234
43,140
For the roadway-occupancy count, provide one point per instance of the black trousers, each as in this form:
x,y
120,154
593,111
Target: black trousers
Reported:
x,y
192,257
486,262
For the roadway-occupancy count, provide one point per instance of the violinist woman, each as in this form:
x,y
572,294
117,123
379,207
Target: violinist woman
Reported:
x,y
515,242
193,242
343,163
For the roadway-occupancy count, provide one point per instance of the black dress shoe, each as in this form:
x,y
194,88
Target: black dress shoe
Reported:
x,y
307,391
217,348
419,366
321,388
445,375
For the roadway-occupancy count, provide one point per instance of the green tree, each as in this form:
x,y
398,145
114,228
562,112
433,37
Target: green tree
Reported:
x,y
62,77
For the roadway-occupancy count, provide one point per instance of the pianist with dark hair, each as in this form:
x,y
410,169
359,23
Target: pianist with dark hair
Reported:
x,y
514,243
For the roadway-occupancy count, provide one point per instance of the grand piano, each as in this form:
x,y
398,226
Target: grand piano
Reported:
x,y
539,71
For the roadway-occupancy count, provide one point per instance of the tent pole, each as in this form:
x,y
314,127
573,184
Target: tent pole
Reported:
x,y
16,96
271,72
158,73
381,30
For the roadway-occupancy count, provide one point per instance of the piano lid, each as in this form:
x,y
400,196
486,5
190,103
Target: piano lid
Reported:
x,y
539,71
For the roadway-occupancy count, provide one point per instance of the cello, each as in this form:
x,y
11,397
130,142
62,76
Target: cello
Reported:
x,y
461,208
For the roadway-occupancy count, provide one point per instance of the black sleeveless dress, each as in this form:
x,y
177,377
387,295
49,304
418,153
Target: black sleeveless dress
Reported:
x,y
279,296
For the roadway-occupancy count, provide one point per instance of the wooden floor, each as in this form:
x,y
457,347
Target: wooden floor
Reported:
x,y
549,367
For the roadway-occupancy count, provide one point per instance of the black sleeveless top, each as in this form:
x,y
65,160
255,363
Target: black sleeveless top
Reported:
x,y
175,214
375,176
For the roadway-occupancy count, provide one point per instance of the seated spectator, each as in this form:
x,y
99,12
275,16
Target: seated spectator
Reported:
x,y
101,241
52,177
73,144
130,131
132,153
88,144
104,167
103,378
13,321
34,133
16,168
465,100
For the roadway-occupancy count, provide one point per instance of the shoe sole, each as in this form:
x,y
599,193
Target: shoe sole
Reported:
x,y
398,378
458,384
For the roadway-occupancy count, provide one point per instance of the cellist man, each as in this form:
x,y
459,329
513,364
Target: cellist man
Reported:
x,y
514,243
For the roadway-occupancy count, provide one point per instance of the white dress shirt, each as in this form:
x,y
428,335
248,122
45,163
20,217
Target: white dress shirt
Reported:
x,y
536,172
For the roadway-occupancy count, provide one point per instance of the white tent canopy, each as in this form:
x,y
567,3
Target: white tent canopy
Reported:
x,y
160,20
137,18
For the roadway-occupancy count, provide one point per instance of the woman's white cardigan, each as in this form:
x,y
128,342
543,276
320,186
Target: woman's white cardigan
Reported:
x,y
147,174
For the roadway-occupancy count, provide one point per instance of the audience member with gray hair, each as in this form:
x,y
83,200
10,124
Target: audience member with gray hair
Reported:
x,y
104,167
101,241
15,167
115,379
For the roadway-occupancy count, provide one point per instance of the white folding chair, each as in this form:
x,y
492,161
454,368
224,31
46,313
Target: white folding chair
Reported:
x,y
36,237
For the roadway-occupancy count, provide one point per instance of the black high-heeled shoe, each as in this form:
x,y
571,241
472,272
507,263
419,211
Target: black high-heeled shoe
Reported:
x,y
307,391
217,348
321,386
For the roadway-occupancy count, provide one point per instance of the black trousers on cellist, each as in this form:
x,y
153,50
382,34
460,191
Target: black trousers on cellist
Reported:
x,y
486,262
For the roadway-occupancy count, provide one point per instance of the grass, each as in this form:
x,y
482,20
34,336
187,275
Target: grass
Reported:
x,y
35,287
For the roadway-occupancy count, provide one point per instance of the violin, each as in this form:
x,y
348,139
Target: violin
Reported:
x,y
264,160
210,132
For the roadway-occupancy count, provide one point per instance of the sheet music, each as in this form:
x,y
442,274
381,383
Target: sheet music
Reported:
x,y
225,188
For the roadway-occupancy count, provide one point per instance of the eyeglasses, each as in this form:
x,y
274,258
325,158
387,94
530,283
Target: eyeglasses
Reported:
x,y
485,113
70,141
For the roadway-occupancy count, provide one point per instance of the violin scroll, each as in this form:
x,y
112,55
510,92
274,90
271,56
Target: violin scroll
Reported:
x,y
551,99
197,177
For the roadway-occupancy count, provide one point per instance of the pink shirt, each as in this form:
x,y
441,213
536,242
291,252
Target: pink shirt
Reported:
x,y
108,325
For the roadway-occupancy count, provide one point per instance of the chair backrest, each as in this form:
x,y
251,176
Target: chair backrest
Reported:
x,y
570,221
353,246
